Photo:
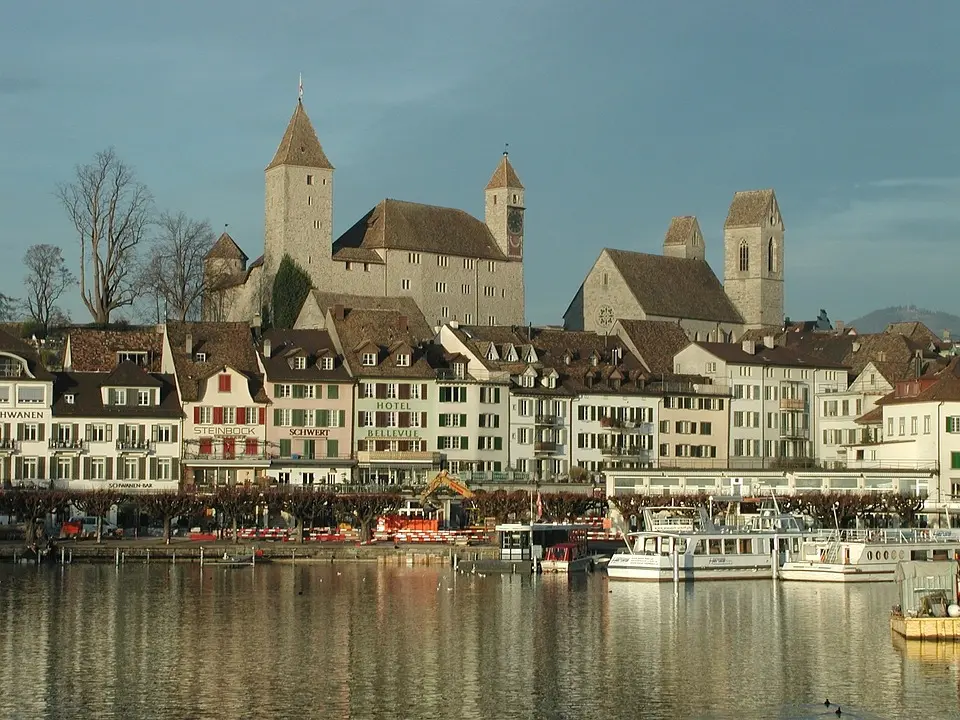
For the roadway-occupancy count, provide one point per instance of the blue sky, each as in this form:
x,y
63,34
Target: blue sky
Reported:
x,y
619,115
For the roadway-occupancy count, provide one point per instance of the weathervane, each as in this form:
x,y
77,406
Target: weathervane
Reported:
x,y
301,86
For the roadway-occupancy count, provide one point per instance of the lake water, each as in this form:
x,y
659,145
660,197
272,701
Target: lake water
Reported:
x,y
376,641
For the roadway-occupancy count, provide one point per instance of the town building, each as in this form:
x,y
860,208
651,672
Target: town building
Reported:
x,y
679,286
453,265
26,394
102,350
118,430
224,402
310,423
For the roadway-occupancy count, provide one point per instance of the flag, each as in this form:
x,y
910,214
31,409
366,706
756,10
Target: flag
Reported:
x,y
539,506
301,86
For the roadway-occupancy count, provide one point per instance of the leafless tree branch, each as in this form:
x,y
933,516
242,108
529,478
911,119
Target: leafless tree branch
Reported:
x,y
175,272
46,280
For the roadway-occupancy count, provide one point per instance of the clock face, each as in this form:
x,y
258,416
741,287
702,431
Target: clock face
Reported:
x,y
604,316
515,221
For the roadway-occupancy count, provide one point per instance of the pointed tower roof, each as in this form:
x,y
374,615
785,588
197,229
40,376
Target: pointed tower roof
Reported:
x,y
300,145
504,176
226,249
749,208
682,230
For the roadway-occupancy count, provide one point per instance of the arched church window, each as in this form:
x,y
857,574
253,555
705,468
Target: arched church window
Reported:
x,y
744,256
771,257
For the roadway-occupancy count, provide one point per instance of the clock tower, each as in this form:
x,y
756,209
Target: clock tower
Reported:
x,y
504,209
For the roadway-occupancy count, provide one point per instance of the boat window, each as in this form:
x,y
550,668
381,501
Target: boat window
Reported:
x,y
886,555
650,546
729,546
714,546
745,544
940,554
869,555
917,555
698,548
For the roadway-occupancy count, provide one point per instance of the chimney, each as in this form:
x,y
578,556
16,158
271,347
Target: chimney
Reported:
x,y
768,341
917,366
402,323
188,344
338,312
840,325
749,346
256,322
266,347
946,336
454,324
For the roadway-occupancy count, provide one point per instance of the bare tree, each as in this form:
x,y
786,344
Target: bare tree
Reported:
x,y
47,278
175,272
9,307
110,210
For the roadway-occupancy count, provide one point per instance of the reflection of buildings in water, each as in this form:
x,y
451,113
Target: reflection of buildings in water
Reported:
x,y
922,660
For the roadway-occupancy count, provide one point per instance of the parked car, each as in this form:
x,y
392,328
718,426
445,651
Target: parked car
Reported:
x,y
86,526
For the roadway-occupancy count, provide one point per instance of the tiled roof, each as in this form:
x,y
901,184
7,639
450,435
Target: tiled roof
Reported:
x,y
894,352
681,230
916,331
674,287
657,341
405,306
871,417
226,249
93,350
399,225
314,345
504,176
365,331
88,398
782,356
300,145
944,386
225,344
129,374
15,346
355,254
749,208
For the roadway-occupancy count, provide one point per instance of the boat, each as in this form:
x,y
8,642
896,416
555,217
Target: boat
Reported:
x,y
868,555
570,556
684,544
928,609
522,547
229,560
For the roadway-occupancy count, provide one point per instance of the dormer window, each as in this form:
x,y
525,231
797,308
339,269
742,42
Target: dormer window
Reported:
x,y
551,382
459,370
369,359
527,381
200,357
300,363
135,356
143,397
403,360
120,397
510,353
69,398
328,363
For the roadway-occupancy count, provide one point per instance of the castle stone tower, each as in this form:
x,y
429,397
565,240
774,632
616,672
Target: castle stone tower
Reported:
x,y
753,258
224,260
504,209
684,239
298,218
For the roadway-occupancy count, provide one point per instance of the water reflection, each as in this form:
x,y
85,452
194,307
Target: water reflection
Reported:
x,y
360,641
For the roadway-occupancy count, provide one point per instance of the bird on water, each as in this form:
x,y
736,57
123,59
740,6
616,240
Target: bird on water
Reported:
x,y
826,703
839,711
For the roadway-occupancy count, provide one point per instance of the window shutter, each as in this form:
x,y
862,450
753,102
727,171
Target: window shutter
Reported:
x,y
299,418
380,391
464,443
143,468
241,416
75,432
6,431
173,433
403,419
404,391
18,467
263,415
196,414
176,469
218,416
380,419
41,432
333,448
19,431
463,421
54,466
41,466
108,475
423,420
277,419
87,464
498,443
341,418
948,425
322,417
442,421
120,468
153,469
154,433
121,432
423,391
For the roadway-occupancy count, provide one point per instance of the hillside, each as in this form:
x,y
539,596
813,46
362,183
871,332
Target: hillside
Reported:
x,y
937,321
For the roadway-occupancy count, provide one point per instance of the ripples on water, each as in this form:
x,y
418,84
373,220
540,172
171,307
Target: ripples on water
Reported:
x,y
375,641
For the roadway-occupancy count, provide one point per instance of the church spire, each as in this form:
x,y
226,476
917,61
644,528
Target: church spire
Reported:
x,y
504,176
300,145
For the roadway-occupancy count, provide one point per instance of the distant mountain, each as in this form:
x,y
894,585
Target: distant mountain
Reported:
x,y
878,320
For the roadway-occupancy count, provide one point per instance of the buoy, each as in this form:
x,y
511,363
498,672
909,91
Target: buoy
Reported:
x,y
953,610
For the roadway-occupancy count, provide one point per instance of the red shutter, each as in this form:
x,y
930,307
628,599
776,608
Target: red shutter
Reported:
x,y
196,414
263,415
206,446
229,448
241,416
224,383
252,447
218,416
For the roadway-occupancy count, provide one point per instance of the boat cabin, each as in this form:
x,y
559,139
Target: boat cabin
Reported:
x,y
525,541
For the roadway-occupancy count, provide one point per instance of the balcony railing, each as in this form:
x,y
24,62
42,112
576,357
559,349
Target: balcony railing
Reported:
x,y
449,374
220,456
550,420
612,424
490,476
134,445
64,445
300,459
793,404
8,445
545,446
625,452
795,463
795,433
386,456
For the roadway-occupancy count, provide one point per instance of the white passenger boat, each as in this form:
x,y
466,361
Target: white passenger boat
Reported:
x,y
685,544
868,555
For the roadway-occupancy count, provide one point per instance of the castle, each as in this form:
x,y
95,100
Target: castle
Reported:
x,y
454,266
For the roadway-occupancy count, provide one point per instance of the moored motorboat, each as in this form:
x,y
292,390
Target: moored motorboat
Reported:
x,y
570,556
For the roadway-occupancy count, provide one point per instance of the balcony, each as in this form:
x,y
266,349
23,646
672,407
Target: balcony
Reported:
x,y
386,457
795,433
477,477
134,445
8,445
66,445
792,404
548,420
636,453
195,457
545,446
611,424
450,375
311,460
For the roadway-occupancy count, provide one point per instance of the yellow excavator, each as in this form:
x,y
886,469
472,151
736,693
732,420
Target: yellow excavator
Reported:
x,y
445,479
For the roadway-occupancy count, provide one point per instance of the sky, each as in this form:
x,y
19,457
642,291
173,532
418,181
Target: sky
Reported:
x,y
619,115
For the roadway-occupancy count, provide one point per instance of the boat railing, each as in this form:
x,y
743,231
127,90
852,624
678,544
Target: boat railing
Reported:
x,y
902,535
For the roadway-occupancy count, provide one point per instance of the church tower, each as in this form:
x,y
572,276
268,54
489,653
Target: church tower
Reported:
x,y
753,258
504,209
298,218
684,239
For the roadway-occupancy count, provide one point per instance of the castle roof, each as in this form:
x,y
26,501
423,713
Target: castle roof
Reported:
x,y
749,208
682,230
399,225
504,176
226,249
674,287
300,145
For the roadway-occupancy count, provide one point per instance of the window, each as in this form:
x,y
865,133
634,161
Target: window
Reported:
x,y
300,363
465,289
164,433
953,424
403,360
119,397
64,468
393,391
488,420
491,266
368,390
131,468
955,461
328,363
524,435
69,398
441,260
890,426
143,397
489,291
913,425
744,256
469,263
282,391
98,468
605,279
369,359
445,311
491,320
309,179
710,367
97,433
405,284
489,395
441,287
229,415
333,392
164,469
468,319
926,424
135,356
413,258
771,257
223,383
903,426
455,393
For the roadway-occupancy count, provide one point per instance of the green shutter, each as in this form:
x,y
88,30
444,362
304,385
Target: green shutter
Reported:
x,y
153,469
87,463
299,418
333,448
176,469
333,392
341,418
276,417
498,443
108,474
463,421
443,421
464,443
173,433
955,460
309,449
323,417
41,466
284,448
947,428
299,391
143,468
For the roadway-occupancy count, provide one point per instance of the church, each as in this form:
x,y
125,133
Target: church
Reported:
x,y
451,264
679,286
